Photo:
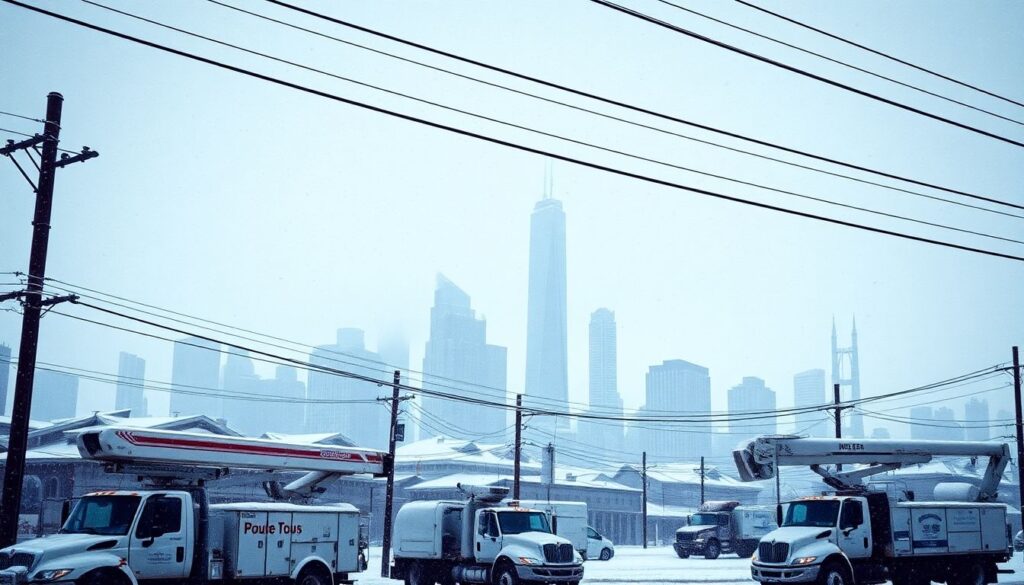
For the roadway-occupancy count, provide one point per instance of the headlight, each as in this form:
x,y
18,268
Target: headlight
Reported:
x,y
51,574
530,561
753,557
804,560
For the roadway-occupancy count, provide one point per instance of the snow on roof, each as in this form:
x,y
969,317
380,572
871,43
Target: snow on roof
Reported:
x,y
337,439
668,511
284,507
447,449
62,451
32,424
453,480
688,473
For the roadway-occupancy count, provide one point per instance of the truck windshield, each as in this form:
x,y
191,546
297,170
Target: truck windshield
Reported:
x,y
519,522
823,513
106,515
703,519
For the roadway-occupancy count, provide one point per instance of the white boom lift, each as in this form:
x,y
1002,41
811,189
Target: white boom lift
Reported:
x,y
170,533
862,536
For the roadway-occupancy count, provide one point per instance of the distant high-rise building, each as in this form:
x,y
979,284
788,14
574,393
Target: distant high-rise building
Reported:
x,y
745,400
131,376
846,373
366,422
809,391
921,418
286,414
54,395
196,368
393,348
604,392
947,428
458,360
547,374
935,424
976,422
880,433
5,376
242,387
678,388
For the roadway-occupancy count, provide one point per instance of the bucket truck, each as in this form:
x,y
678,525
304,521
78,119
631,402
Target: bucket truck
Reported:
x,y
170,533
857,535
480,540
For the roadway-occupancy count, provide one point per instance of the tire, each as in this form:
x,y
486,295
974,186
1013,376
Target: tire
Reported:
x,y
103,577
416,574
606,554
713,550
314,574
834,573
967,574
682,554
506,575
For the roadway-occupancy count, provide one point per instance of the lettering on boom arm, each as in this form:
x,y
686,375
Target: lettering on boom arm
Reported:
x,y
279,528
851,446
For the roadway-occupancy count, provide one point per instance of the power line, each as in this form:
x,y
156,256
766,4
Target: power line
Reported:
x,y
880,53
29,118
27,135
803,72
841,62
514,145
558,136
628,106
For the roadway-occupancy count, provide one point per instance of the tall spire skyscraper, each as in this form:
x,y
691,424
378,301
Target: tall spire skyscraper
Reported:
x,y
547,374
848,377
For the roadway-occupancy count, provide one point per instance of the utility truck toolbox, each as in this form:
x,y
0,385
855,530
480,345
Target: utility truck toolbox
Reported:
x,y
271,539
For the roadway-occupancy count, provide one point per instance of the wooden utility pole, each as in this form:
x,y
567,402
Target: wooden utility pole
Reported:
x,y
701,480
1020,426
389,494
32,299
643,478
519,447
839,420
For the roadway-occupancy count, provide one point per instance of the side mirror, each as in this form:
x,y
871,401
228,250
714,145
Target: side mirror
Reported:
x,y
778,515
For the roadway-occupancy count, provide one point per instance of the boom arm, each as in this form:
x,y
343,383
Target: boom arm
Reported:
x,y
759,459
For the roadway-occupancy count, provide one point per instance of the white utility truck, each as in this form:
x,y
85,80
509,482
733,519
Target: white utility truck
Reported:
x,y
856,535
724,527
568,519
169,533
480,540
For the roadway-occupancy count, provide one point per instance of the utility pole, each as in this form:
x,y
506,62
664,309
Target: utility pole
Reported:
x,y
1020,426
643,477
389,494
839,419
702,480
519,447
32,299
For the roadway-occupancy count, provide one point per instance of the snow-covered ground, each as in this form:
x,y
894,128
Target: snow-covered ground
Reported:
x,y
633,564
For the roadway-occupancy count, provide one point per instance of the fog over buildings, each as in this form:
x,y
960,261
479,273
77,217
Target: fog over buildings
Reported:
x,y
195,378
54,395
131,377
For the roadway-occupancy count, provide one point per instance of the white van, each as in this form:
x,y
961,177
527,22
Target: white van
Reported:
x,y
598,546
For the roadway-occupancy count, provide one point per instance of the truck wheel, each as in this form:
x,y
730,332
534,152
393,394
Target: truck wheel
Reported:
x,y
417,574
606,554
315,574
744,551
506,576
713,549
834,574
683,554
103,577
967,574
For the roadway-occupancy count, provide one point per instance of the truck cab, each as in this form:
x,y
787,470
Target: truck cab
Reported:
x,y
704,535
114,537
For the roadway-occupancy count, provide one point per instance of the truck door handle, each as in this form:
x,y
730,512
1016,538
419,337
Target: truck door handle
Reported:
x,y
181,554
865,542
478,547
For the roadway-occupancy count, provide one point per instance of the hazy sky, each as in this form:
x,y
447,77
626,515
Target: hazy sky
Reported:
x,y
230,198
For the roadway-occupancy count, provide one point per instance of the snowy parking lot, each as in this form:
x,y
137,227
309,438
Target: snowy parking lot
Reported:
x,y
660,564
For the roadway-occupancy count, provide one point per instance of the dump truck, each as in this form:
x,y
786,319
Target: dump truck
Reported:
x,y
170,533
724,527
856,535
480,540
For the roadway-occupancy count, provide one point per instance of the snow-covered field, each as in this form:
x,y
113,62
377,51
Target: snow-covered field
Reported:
x,y
633,564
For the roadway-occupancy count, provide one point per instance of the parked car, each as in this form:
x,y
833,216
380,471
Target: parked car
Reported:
x,y
598,546
1018,541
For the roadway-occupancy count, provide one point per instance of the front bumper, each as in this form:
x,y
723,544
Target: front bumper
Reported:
x,y
692,547
784,573
550,573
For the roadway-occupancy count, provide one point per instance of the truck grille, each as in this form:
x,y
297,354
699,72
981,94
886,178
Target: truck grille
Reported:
x,y
558,553
684,536
18,559
772,552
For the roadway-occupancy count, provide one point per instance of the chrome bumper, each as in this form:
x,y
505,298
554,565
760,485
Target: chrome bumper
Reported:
x,y
784,573
550,573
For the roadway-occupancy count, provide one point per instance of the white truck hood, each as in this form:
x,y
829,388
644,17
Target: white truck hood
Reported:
x,y
531,544
800,539
695,529
62,545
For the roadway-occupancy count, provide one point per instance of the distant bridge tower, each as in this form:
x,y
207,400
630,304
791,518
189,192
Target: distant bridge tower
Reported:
x,y
846,373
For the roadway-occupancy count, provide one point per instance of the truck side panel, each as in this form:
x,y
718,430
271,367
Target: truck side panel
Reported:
x,y
901,537
348,543
279,544
250,550
994,536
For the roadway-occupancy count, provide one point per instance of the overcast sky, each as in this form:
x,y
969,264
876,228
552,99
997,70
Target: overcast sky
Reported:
x,y
230,198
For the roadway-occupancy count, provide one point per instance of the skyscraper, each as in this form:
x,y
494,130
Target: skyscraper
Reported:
x,y
749,397
976,420
5,376
676,387
131,376
920,423
846,373
365,422
242,409
457,352
809,391
604,391
54,395
547,374
195,368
